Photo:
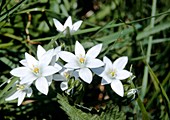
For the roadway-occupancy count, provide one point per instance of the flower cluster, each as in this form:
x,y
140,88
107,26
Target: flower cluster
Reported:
x,y
80,65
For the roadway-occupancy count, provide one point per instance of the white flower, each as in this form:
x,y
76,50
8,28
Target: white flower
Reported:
x,y
22,91
41,51
132,93
37,70
68,23
115,72
81,61
64,76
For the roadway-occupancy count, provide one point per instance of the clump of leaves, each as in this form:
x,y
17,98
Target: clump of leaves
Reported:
x,y
113,113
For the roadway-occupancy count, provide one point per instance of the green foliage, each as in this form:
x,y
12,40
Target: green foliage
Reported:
x,y
74,113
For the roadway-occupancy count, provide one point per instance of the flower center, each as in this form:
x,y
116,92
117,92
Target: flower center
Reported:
x,y
82,60
36,70
20,87
112,73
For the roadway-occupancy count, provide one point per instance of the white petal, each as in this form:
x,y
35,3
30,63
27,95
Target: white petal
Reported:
x,y
56,51
58,25
64,86
79,50
20,71
86,75
29,92
42,85
13,96
31,61
46,58
68,23
104,82
108,63
123,74
21,97
72,65
76,25
58,77
57,57
40,51
29,78
94,51
94,63
49,70
24,62
106,77
67,56
57,66
120,63
117,87
49,79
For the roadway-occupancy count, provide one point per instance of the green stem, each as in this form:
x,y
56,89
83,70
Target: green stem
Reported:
x,y
145,115
145,77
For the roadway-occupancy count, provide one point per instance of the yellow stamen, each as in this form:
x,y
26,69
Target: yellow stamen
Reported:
x,y
20,87
112,73
36,70
82,60
66,75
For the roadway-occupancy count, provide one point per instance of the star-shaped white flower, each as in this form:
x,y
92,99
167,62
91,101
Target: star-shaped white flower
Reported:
x,y
64,76
115,72
37,70
20,93
82,61
68,23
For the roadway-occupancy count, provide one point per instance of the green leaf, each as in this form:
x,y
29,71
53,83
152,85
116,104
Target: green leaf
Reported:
x,y
7,62
154,30
12,10
13,80
6,45
111,38
64,10
157,84
73,112
67,4
112,113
